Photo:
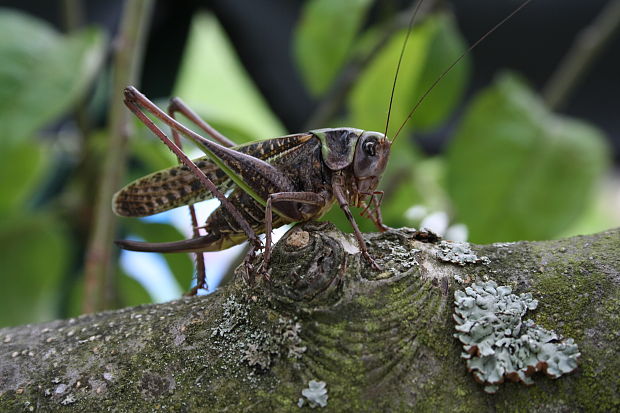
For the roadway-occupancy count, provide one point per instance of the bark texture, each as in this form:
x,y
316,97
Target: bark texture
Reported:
x,y
380,340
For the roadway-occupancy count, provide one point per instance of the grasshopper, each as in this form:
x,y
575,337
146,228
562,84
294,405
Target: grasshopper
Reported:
x,y
262,184
276,181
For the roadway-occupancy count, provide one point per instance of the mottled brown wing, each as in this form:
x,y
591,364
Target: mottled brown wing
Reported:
x,y
177,186
167,189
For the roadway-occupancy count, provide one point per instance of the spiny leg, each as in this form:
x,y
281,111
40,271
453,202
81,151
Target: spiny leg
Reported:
x,y
372,205
134,100
201,274
372,210
337,186
177,105
423,235
308,198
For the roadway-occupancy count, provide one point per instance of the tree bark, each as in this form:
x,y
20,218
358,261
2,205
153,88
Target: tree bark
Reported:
x,y
379,340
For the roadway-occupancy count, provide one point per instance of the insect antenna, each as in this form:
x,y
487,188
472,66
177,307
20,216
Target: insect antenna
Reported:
x,y
449,68
400,59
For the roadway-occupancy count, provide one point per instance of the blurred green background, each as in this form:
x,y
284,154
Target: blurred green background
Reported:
x,y
491,161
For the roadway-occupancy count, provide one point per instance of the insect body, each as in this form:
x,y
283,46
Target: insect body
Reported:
x,y
268,183
302,175
272,182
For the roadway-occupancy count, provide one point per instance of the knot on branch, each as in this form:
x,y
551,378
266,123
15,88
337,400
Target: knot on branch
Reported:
x,y
308,263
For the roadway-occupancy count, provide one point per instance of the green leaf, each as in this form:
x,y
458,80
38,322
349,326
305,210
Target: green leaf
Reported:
x,y
400,184
43,73
33,257
446,46
433,46
517,171
180,264
22,164
151,152
324,38
214,83
131,292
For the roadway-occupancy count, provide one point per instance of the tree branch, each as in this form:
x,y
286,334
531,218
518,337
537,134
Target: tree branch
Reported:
x,y
381,341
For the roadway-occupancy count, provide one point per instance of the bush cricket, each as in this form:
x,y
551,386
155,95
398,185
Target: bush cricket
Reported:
x,y
263,184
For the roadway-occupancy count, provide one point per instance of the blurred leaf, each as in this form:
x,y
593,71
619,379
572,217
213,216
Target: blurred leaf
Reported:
x,y
517,171
22,164
43,73
337,217
434,45
214,83
180,264
151,152
416,182
400,184
33,256
370,97
446,46
131,292
324,37
75,297
602,213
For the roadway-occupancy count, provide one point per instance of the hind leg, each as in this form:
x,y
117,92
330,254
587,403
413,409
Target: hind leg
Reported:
x,y
177,105
137,102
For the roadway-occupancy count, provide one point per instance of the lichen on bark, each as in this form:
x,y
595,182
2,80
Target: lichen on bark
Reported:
x,y
380,340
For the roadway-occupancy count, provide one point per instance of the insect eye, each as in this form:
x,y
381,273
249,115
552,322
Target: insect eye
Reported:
x,y
370,148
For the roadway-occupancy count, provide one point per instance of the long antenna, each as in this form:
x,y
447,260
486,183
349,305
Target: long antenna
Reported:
x,y
400,59
466,52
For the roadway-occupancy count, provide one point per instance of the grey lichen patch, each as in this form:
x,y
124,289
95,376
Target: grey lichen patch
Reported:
x,y
462,280
240,340
234,314
395,252
403,258
499,345
266,346
315,394
459,253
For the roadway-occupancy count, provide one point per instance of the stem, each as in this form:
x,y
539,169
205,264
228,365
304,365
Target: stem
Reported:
x,y
72,15
586,48
73,20
100,255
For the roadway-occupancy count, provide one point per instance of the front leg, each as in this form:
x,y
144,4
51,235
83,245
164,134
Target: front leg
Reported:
x,y
337,186
372,210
